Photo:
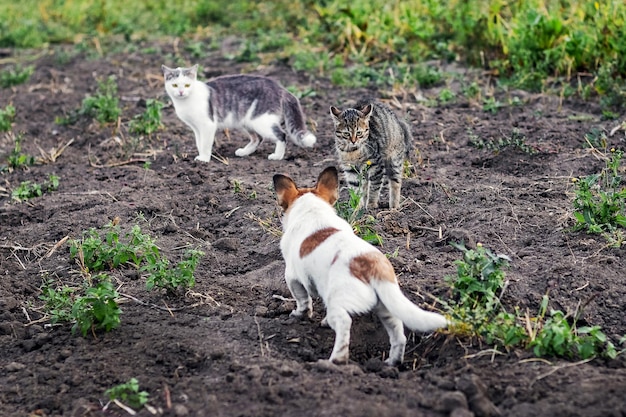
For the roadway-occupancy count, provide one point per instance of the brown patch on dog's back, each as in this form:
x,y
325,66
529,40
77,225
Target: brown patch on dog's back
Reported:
x,y
372,265
313,241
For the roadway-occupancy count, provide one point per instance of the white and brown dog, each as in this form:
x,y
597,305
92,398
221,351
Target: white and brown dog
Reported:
x,y
324,257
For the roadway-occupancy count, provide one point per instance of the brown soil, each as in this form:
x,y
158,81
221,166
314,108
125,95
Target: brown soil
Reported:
x,y
228,348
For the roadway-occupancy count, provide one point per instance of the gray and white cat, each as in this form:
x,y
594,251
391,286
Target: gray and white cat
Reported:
x,y
254,104
372,143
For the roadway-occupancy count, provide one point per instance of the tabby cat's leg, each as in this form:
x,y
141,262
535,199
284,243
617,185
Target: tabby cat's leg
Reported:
x,y
394,192
375,184
250,147
205,135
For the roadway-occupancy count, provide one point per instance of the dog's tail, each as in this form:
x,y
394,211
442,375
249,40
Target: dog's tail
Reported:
x,y
412,316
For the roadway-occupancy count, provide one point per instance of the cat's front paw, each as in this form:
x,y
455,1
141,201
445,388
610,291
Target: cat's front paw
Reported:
x,y
203,158
241,152
275,157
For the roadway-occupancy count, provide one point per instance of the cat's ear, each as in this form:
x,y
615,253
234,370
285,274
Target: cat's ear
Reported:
x,y
367,111
328,185
166,70
286,190
193,72
335,113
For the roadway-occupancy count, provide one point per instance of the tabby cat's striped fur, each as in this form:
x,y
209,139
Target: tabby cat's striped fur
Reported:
x,y
372,143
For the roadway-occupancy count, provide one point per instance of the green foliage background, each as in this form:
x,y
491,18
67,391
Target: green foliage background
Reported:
x,y
525,39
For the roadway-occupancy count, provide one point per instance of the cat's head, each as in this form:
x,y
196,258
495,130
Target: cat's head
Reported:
x,y
179,81
327,188
352,126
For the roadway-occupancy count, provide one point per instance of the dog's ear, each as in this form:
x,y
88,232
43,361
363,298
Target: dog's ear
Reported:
x,y
286,190
327,186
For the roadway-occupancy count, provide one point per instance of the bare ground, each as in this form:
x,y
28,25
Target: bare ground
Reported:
x,y
228,347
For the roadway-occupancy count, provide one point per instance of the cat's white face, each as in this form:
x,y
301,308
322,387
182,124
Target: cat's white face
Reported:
x,y
179,81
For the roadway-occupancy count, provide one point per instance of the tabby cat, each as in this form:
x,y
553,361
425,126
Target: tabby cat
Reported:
x,y
372,143
255,104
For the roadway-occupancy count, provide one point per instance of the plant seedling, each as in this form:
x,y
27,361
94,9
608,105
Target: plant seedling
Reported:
x,y
149,121
15,75
97,309
7,115
128,394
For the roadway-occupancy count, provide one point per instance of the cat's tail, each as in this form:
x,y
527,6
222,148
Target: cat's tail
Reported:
x,y
412,316
295,122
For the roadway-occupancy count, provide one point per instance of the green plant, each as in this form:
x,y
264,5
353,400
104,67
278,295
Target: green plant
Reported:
x,y
160,274
479,275
446,95
128,394
27,189
600,201
97,254
58,302
596,139
516,140
97,309
427,76
7,115
15,75
491,104
104,105
353,211
558,335
149,121
236,186
17,159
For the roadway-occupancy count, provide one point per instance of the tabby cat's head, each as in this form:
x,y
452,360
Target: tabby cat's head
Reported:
x,y
179,81
352,127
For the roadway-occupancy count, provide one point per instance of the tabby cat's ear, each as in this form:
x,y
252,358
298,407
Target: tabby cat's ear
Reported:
x,y
328,185
286,190
335,113
367,110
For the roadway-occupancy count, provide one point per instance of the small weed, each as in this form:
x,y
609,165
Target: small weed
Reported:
x,y
96,254
516,140
558,337
472,90
427,76
97,309
15,76
446,95
236,186
478,312
128,394
17,159
104,105
58,302
353,211
7,115
491,105
27,189
137,250
596,139
148,122
160,275
600,201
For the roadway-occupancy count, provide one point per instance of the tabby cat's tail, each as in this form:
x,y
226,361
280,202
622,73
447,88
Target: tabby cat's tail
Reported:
x,y
295,124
